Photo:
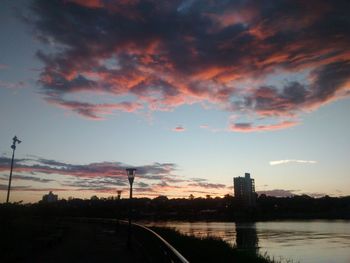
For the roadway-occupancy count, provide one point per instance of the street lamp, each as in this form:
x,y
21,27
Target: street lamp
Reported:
x,y
131,176
13,146
119,192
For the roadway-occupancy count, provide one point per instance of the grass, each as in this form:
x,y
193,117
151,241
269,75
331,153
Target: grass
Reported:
x,y
211,249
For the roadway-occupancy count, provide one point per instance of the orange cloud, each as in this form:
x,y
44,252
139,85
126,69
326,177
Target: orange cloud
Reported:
x,y
248,127
170,54
103,177
179,129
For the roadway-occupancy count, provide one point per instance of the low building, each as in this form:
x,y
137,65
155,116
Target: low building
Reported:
x,y
50,197
244,190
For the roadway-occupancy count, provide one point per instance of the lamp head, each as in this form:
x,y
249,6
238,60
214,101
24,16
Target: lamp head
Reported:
x,y
131,174
16,140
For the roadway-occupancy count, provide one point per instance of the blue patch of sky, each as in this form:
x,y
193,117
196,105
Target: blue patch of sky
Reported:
x,y
279,79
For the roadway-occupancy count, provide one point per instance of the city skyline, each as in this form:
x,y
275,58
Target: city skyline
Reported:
x,y
191,93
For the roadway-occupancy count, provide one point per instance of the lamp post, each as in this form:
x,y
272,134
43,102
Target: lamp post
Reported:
x,y
119,192
13,146
131,176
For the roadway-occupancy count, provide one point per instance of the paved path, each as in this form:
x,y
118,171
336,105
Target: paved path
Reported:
x,y
74,241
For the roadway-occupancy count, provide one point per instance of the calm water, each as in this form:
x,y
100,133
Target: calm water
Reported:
x,y
304,241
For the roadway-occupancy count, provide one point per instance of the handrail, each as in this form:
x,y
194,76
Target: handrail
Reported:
x,y
172,249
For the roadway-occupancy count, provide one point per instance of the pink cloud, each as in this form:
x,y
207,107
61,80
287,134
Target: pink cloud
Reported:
x,y
179,129
202,56
103,177
248,127
94,111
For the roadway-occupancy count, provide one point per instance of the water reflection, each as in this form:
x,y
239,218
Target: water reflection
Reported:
x,y
247,237
317,241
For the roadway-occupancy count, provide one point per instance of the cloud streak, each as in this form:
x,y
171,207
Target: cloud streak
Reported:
x,y
249,127
278,162
268,63
101,177
10,85
278,192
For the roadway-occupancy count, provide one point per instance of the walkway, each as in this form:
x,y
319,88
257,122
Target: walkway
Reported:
x,y
70,241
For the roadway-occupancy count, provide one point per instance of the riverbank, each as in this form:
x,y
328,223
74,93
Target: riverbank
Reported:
x,y
224,209
209,249
313,241
52,239
317,241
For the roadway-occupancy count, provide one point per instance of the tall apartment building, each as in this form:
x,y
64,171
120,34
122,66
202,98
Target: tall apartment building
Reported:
x,y
244,188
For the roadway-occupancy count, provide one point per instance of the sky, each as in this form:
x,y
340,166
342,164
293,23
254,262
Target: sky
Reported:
x,y
190,92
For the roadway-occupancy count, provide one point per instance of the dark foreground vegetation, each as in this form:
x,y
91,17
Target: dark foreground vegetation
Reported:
x,y
220,209
208,249
54,239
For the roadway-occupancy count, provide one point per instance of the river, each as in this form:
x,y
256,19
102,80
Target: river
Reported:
x,y
316,241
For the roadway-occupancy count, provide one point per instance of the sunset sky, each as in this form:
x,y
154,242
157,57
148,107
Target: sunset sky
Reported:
x,y
190,92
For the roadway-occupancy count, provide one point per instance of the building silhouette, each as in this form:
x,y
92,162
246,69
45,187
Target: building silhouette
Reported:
x,y
49,198
247,237
244,188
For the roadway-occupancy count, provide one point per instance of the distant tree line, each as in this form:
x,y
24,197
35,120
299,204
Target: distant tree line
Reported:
x,y
162,208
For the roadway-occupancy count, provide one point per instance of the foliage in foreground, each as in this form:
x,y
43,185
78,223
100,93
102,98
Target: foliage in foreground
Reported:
x,y
208,249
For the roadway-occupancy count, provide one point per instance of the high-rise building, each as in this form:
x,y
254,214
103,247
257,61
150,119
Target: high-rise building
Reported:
x,y
244,188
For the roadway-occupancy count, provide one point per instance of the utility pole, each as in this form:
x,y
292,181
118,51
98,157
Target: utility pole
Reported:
x,y
13,146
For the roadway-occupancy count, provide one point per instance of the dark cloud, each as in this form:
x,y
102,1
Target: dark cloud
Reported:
x,y
208,185
107,172
199,180
278,192
294,96
330,79
90,110
32,178
249,127
102,177
28,188
171,53
96,183
4,187
142,185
